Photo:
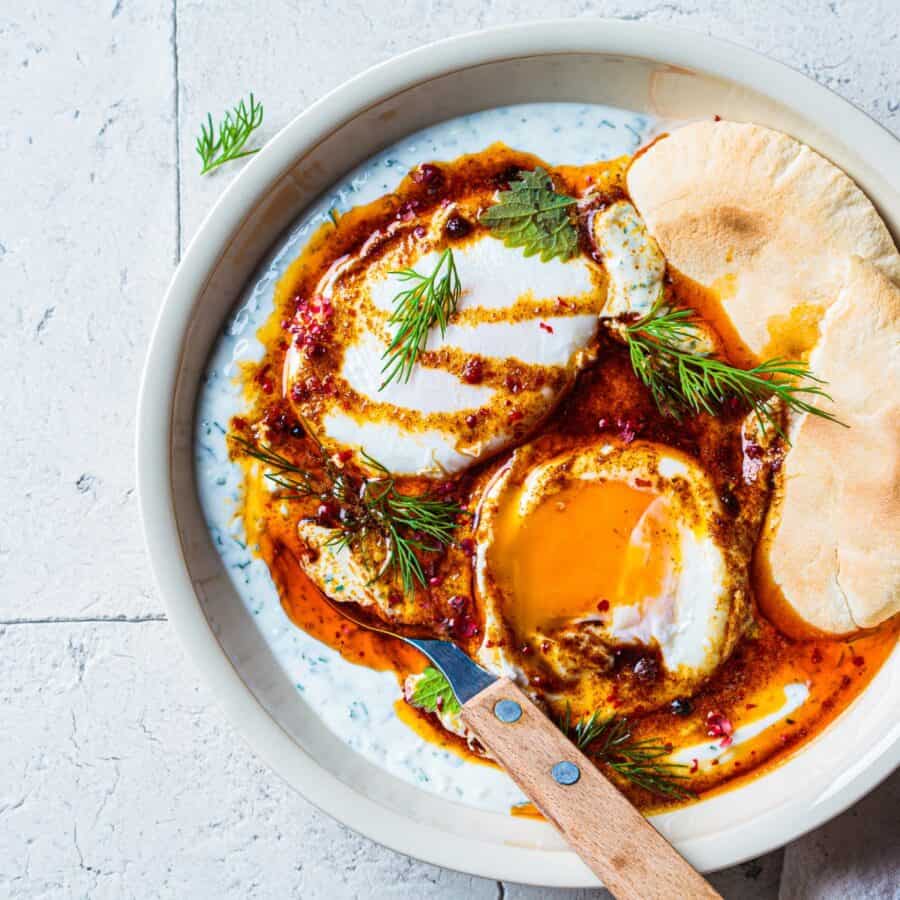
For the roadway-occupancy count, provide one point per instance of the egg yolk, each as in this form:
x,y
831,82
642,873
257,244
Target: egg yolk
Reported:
x,y
580,553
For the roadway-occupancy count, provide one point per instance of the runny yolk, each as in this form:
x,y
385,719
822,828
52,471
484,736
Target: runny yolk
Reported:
x,y
579,553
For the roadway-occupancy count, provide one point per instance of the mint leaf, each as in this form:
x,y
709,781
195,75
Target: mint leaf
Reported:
x,y
433,693
533,216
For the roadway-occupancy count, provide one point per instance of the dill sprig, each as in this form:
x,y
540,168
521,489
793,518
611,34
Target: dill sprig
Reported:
x,y
371,507
297,481
662,347
215,148
431,299
609,741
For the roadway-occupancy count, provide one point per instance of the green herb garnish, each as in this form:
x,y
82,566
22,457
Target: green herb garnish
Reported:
x,y
433,693
609,741
431,300
214,148
682,379
368,508
534,216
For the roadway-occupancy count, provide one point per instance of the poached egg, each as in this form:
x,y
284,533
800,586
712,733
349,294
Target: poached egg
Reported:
x,y
602,551
521,332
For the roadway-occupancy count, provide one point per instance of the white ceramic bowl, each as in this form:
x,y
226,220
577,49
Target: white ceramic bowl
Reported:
x,y
668,73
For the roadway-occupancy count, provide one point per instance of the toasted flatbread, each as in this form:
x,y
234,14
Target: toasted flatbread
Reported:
x,y
763,221
830,541
804,267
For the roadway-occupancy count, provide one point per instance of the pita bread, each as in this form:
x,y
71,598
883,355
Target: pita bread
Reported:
x,y
831,539
764,222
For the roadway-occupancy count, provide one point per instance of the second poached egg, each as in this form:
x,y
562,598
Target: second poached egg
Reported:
x,y
604,549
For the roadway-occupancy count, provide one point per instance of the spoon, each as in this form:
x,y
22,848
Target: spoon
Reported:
x,y
617,843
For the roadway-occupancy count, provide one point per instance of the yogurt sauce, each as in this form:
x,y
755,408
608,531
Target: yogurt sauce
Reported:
x,y
354,702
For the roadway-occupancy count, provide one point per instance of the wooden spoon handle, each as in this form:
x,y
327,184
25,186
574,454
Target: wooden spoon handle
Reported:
x,y
620,846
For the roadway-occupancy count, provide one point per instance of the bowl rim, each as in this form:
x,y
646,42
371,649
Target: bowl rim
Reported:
x,y
155,452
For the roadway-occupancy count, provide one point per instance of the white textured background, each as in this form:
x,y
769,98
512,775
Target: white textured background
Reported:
x,y
119,776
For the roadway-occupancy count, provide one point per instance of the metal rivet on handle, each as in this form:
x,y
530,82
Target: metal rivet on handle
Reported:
x,y
507,711
565,772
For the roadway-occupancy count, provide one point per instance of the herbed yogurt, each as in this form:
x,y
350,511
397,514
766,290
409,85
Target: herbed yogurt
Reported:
x,y
354,702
